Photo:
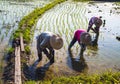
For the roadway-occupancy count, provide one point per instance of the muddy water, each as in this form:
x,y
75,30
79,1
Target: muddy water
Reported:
x,y
107,56
64,19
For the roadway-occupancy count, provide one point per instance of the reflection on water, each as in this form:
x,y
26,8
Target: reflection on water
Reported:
x,y
41,71
37,72
77,64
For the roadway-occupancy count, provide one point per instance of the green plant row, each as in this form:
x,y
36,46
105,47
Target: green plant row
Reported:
x,y
104,78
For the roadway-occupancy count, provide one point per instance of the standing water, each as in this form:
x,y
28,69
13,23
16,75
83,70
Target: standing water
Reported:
x,y
64,19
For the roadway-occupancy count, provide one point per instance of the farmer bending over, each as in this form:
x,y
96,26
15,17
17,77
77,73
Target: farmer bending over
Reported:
x,y
97,22
48,41
83,39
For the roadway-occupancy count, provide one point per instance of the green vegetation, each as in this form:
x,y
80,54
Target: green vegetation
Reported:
x,y
104,78
27,49
10,50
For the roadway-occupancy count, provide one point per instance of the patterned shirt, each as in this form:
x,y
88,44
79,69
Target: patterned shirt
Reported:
x,y
95,20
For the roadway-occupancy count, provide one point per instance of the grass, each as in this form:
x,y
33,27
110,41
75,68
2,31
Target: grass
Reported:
x,y
104,78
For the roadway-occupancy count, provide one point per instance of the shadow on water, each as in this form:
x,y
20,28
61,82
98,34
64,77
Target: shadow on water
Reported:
x,y
38,73
77,64
41,71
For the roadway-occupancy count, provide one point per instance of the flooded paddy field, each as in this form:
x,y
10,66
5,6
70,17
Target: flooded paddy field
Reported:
x,y
64,19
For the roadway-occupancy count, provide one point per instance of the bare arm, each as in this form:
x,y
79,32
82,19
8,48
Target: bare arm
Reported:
x,y
93,30
90,26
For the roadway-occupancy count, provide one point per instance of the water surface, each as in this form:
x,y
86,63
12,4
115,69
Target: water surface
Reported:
x,y
64,19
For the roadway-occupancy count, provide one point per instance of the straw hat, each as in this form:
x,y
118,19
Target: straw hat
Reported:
x,y
56,42
98,22
85,38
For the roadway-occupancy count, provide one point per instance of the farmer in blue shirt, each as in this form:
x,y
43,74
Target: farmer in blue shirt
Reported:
x,y
50,41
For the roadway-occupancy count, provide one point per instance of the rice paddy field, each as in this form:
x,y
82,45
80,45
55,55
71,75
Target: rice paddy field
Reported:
x,y
64,19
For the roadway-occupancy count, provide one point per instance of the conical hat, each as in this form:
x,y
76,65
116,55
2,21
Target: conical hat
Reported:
x,y
56,42
85,38
98,22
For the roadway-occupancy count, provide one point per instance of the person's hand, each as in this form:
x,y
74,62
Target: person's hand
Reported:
x,y
94,43
94,30
83,47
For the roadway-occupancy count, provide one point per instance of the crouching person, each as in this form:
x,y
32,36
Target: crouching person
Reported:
x,y
97,22
47,42
83,38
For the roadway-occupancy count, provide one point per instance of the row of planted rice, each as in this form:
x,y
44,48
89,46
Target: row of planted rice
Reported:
x,y
63,19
